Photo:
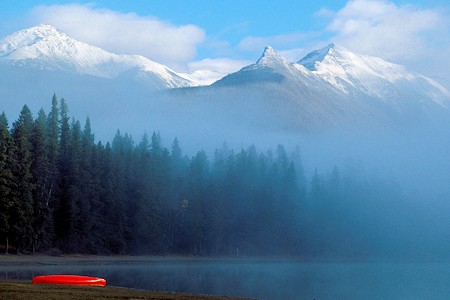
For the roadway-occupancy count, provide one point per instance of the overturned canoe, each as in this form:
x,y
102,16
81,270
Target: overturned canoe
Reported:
x,y
69,279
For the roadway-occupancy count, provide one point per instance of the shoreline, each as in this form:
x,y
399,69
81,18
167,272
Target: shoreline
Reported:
x,y
14,264
65,259
43,259
24,290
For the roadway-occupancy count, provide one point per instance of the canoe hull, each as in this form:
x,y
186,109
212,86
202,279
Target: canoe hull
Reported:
x,y
69,280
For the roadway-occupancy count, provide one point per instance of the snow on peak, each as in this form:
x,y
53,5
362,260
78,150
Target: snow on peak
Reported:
x,y
271,58
44,30
309,61
45,47
353,73
27,38
349,66
269,51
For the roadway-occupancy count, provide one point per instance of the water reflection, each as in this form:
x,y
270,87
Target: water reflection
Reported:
x,y
265,279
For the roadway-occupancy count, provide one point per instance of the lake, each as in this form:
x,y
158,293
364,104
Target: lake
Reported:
x,y
261,279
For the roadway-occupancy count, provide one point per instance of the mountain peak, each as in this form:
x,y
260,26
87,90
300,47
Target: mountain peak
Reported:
x,y
270,57
353,73
29,37
45,31
309,61
44,47
268,51
43,28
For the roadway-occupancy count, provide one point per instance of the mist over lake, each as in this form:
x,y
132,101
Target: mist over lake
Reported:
x,y
290,150
262,278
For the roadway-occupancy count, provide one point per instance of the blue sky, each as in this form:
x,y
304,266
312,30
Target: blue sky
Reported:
x,y
225,35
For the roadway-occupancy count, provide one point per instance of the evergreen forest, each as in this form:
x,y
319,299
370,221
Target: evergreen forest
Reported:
x,y
63,192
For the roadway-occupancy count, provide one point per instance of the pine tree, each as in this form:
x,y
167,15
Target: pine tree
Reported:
x,y
53,131
122,176
317,190
197,193
63,212
23,212
40,168
53,135
112,203
158,187
144,219
177,190
80,208
88,182
64,134
7,182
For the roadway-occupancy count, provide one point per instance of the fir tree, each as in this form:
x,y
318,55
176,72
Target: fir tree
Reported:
x,y
23,211
42,223
7,182
53,135
64,208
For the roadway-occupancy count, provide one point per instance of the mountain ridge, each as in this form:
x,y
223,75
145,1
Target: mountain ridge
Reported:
x,y
329,88
351,72
45,47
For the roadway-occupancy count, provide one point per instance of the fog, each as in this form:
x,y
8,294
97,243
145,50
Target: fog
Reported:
x,y
391,199
396,175
262,279
403,174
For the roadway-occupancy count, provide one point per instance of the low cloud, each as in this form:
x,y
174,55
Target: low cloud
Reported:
x,y
125,33
383,28
220,65
406,34
209,70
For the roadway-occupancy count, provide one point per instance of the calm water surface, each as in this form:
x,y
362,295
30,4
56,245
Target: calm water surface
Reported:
x,y
264,279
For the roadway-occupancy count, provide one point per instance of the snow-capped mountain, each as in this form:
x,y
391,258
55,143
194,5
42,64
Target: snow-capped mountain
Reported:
x,y
44,47
353,73
279,90
329,88
333,86
271,67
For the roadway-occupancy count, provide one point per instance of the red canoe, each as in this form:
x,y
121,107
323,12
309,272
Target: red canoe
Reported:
x,y
69,279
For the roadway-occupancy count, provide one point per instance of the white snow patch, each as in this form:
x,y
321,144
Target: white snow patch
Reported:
x,y
50,48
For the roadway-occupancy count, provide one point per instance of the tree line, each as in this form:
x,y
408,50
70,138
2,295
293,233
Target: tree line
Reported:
x,y
61,191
